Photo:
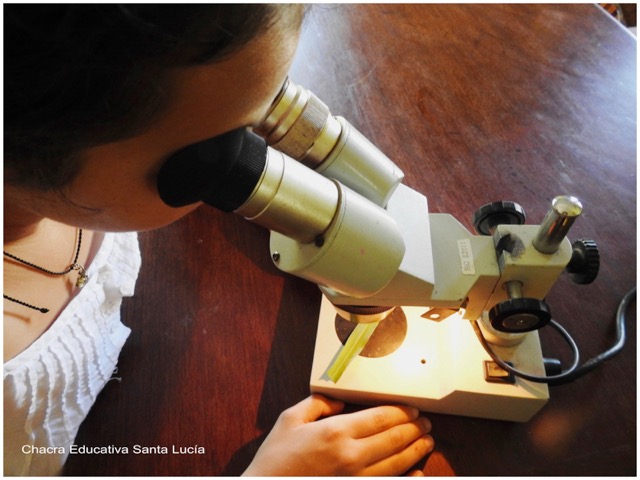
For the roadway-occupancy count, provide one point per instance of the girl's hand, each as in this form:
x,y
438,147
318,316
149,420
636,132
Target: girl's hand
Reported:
x,y
310,438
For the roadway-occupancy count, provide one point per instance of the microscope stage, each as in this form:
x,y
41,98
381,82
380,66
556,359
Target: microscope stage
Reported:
x,y
438,367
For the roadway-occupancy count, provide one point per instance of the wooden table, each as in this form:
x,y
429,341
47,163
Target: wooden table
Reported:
x,y
475,104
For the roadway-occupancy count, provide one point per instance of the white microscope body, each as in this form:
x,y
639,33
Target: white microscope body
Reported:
x,y
340,217
383,248
446,278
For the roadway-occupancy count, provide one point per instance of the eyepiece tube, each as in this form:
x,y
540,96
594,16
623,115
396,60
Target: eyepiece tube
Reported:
x,y
291,199
320,230
236,172
301,125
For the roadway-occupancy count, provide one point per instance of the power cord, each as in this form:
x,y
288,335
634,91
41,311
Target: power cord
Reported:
x,y
573,372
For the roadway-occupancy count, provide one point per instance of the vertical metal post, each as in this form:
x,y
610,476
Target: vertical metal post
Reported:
x,y
556,224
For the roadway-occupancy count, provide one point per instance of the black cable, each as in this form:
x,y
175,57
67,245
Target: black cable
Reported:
x,y
573,372
621,317
527,376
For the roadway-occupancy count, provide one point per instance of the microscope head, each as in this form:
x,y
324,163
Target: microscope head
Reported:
x,y
343,220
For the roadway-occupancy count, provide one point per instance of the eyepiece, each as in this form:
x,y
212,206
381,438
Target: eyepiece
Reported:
x,y
237,172
222,171
301,126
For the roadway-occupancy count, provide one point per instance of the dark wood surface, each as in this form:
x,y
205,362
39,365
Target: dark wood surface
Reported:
x,y
475,104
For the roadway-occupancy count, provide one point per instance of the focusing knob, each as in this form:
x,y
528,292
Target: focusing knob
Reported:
x,y
487,217
585,261
518,315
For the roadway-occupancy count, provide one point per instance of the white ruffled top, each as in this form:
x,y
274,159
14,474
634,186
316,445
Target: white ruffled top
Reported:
x,y
50,387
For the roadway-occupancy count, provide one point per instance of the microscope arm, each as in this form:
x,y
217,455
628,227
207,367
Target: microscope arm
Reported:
x,y
444,266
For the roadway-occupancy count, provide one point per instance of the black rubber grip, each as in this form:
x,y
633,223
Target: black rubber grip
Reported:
x,y
222,171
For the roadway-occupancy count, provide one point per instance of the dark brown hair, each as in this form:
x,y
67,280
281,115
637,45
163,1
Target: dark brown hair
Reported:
x,y
77,76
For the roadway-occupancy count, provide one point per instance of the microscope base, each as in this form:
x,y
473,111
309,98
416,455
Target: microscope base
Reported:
x,y
439,367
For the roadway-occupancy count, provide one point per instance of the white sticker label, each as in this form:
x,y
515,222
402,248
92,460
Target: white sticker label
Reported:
x,y
466,257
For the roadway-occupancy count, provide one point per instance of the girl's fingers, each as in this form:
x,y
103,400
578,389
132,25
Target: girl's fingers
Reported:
x,y
311,409
371,421
402,460
395,439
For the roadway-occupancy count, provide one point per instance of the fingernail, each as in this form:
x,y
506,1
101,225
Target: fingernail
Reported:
x,y
429,442
426,424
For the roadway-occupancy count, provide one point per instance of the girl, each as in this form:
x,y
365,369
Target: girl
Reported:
x,y
96,99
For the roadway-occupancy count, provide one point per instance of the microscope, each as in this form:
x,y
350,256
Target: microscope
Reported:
x,y
415,309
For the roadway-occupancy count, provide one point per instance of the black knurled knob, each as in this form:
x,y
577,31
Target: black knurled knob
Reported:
x,y
585,261
519,315
487,217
